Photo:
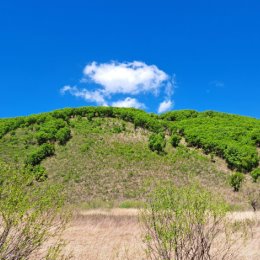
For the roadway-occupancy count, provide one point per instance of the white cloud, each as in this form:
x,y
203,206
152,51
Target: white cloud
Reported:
x,y
126,78
92,96
128,102
164,106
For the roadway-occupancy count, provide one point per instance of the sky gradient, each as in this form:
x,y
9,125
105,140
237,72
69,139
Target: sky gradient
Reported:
x,y
201,55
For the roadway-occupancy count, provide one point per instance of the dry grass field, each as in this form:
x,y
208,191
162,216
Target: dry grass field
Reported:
x,y
116,234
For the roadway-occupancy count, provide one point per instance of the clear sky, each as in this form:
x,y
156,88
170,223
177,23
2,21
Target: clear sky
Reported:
x,y
152,54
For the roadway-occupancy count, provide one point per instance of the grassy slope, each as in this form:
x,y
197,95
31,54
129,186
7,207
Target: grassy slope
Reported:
x,y
100,166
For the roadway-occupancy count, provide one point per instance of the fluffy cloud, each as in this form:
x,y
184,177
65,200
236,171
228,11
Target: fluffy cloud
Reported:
x,y
104,81
128,102
164,106
92,96
126,78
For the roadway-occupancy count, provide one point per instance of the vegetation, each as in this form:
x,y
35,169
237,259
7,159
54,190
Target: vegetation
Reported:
x,y
108,149
175,140
39,154
187,223
231,137
157,142
30,215
255,174
236,180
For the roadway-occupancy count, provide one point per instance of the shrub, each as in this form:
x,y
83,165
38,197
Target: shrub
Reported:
x,y
253,195
38,171
235,180
157,142
30,215
42,137
175,140
255,174
39,154
63,135
187,223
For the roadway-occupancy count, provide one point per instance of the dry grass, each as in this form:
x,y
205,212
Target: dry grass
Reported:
x,y
116,234
97,234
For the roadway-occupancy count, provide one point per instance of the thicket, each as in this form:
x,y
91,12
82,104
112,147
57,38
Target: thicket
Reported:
x,y
157,142
175,140
188,222
39,154
30,215
231,137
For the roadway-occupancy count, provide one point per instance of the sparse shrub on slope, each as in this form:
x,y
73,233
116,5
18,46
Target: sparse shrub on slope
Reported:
x,y
235,180
255,174
63,135
157,142
175,140
39,154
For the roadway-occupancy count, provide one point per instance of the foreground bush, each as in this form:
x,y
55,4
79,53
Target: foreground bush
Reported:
x,y
30,214
187,223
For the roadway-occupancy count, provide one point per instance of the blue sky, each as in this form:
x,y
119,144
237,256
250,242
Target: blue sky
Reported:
x,y
201,55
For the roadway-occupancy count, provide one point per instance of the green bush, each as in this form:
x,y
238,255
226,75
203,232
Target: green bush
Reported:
x,y
186,223
28,215
39,154
255,174
235,180
42,137
63,135
175,140
157,142
38,171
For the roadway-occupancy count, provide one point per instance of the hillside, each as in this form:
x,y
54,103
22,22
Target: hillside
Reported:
x,y
101,154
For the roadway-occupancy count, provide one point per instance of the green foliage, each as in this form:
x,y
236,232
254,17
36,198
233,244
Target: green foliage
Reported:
x,y
39,154
175,140
157,142
128,204
231,137
38,171
255,174
42,137
236,180
28,214
182,222
63,135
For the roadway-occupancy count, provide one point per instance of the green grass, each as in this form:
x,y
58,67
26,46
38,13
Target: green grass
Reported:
x,y
107,161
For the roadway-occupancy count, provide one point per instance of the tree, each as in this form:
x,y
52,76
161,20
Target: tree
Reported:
x,y
157,142
184,223
30,214
235,180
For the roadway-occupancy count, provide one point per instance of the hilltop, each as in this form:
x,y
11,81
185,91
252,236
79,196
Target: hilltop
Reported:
x,y
102,157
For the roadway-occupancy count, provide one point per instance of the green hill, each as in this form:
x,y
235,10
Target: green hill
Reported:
x,y
102,156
